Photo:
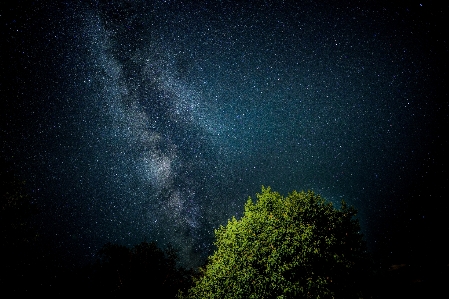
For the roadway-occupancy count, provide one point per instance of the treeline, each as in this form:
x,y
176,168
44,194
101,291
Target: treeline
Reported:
x,y
118,272
327,241
29,265
122,271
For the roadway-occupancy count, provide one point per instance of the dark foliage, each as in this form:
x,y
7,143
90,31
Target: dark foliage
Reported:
x,y
122,271
30,265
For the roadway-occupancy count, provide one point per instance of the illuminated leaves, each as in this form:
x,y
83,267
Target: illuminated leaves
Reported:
x,y
283,247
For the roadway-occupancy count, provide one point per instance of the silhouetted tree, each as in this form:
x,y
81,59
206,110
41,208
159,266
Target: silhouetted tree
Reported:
x,y
145,268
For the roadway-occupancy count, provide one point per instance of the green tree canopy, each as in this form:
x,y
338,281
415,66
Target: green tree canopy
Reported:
x,y
299,246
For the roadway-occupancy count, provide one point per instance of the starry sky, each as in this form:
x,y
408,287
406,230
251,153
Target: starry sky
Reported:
x,y
155,120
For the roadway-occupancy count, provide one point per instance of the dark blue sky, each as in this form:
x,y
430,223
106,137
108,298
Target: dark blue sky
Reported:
x,y
156,120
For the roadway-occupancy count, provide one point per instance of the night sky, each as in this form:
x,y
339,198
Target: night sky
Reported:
x,y
155,120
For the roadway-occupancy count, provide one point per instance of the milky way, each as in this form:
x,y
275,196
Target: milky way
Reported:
x,y
155,120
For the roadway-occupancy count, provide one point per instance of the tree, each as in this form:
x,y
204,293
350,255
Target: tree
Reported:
x,y
145,268
299,246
